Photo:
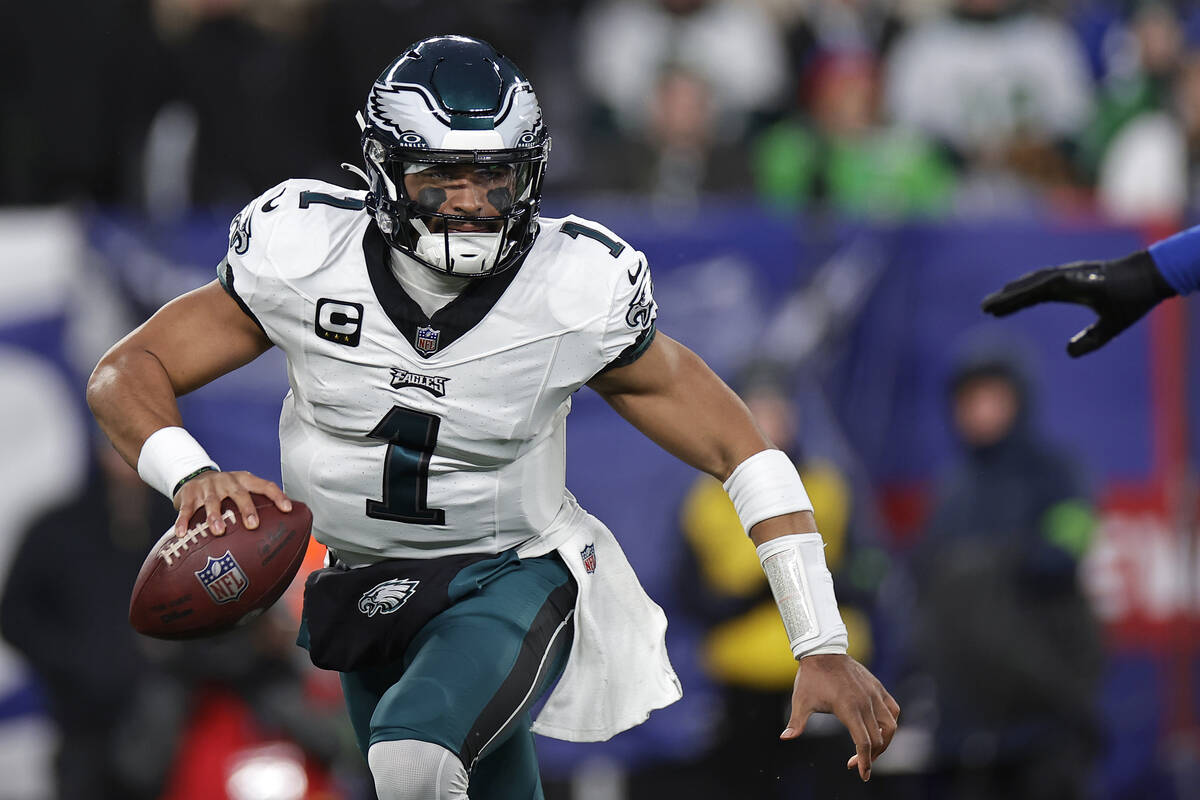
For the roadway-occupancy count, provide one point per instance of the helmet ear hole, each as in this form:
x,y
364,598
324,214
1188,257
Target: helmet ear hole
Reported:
x,y
375,151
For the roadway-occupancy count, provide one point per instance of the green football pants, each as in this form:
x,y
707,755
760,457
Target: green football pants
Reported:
x,y
470,676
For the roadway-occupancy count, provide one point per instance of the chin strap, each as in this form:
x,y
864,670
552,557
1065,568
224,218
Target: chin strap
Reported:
x,y
357,171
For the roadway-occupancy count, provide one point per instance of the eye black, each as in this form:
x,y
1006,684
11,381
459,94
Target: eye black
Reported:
x,y
431,198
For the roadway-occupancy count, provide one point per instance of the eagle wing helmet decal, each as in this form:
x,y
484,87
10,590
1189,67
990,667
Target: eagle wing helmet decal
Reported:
x,y
402,108
388,105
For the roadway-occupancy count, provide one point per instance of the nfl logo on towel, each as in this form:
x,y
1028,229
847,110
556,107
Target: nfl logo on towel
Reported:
x,y
223,579
589,558
427,339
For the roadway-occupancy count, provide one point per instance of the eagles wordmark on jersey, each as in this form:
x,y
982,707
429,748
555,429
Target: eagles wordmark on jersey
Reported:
x,y
453,424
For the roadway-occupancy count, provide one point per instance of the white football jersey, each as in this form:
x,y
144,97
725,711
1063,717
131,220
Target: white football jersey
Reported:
x,y
415,436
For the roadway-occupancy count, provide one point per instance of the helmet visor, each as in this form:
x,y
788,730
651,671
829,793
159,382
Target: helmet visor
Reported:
x,y
464,212
467,217
454,194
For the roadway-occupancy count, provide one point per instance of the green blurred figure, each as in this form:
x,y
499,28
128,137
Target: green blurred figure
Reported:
x,y
843,158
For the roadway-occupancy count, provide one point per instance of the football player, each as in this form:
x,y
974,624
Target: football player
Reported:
x,y
1120,291
435,328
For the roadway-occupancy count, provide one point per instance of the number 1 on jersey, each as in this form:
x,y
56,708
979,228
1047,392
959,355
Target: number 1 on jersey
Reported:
x,y
575,230
411,437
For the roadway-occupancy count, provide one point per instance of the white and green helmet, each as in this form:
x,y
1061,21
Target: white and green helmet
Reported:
x,y
453,100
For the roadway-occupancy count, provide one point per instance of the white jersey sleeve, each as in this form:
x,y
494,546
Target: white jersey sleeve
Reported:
x,y
631,322
245,271
628,326
277,241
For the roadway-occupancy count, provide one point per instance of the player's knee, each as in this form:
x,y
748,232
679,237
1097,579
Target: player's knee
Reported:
x,y
408,769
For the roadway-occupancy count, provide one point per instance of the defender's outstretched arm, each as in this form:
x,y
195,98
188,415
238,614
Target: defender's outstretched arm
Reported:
x,y
1120,291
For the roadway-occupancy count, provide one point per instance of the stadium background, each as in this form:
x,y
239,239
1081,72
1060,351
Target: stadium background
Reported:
x,y
133,131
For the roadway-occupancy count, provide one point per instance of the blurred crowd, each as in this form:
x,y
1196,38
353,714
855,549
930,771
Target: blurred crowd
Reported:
x,y
863,109
143,719
875,108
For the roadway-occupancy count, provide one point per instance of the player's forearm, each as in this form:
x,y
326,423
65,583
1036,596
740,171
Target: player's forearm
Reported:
x,y
714,431
720,433
783,525
673,397
1178,259
131,396
713,437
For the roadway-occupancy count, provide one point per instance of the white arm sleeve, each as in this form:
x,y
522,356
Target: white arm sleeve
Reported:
x,y
803,590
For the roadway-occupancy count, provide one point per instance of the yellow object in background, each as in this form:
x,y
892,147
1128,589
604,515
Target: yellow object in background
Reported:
x,y
728,563
751,649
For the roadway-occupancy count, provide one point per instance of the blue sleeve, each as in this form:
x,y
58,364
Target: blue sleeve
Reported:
x,y
1178,259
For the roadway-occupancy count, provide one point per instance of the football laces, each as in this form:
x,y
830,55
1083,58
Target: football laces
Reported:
x,y
180,544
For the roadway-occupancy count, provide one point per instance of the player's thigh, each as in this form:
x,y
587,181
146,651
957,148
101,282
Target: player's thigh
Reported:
x,y
475,669
362,690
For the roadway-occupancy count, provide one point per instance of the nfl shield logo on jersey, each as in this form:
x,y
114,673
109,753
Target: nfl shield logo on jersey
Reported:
x,y
589,558
427,339
223,579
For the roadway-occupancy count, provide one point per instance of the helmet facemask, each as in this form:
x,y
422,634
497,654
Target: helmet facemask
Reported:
x,y
455,150
468,213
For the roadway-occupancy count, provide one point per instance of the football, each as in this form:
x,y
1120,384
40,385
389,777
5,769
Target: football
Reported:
x,y
200,584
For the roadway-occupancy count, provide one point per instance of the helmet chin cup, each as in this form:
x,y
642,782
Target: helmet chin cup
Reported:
x,y
464,254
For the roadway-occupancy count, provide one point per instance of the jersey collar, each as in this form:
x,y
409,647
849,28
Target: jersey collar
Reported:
x,y
429,335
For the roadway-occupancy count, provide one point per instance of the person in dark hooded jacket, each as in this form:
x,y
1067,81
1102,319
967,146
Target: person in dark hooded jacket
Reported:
x,y
1006,632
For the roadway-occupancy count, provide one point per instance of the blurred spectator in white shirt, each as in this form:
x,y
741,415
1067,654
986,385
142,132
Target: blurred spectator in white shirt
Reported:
x,y
733,47
1141,58
1143,175
1187,94
1136,146
1002,87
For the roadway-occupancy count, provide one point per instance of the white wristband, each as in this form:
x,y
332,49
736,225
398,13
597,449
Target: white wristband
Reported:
x,y
803,590
766,485
168,456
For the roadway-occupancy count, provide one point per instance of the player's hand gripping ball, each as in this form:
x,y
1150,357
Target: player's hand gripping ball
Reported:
x,y
200,584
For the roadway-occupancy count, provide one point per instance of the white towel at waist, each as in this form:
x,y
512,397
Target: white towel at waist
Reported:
x,y
618,670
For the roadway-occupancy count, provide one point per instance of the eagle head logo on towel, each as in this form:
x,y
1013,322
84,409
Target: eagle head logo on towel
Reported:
x,y
387,597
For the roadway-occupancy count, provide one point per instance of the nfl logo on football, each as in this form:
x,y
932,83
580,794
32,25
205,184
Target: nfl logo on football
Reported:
x,y
589,558
223,579
427,339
